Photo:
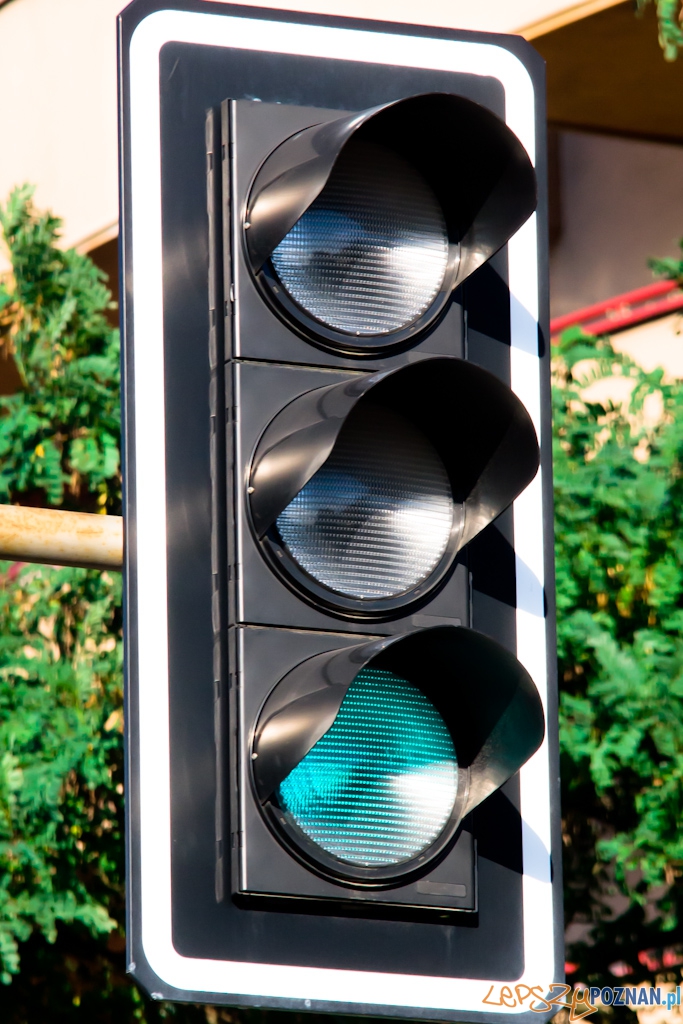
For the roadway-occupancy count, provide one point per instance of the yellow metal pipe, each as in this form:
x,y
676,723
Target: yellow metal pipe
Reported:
x,y
61,538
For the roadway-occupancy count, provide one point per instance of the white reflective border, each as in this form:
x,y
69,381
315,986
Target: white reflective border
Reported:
x,y
276,980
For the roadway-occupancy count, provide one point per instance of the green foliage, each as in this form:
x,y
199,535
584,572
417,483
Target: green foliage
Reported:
x,y
59,437
669,268
60,648
60,763
61,874
619,549
669,21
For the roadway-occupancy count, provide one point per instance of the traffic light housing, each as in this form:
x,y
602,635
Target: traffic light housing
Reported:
x,y
401,161
367,759
341,716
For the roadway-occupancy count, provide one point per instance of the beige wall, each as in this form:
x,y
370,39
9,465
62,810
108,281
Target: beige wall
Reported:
x,y
58,106
58,88
654,344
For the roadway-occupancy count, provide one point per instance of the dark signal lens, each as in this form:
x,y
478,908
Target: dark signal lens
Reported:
x,y
370,254
380,786
376,518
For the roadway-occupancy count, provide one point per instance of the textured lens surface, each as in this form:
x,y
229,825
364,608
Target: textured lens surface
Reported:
x,y
375,519
380,785
369,255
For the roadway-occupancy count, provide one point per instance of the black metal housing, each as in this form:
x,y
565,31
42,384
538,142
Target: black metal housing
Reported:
x,y
484,197
251,131
237,895
269,586
275,864
488,701
493,459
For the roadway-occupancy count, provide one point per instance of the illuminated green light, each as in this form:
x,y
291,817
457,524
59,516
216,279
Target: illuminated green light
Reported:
x,y
380,785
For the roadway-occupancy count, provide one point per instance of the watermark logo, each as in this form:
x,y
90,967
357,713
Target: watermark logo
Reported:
x,y
581,1002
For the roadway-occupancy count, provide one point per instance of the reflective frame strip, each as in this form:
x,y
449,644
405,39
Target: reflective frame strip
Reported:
x,y
278,980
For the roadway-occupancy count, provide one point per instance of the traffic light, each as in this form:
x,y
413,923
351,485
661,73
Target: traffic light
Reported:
x,y
341,719
366,759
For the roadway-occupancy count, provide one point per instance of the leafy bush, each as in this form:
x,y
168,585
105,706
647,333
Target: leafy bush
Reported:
x,y
59,437
619,550
61,773
60,766
669,21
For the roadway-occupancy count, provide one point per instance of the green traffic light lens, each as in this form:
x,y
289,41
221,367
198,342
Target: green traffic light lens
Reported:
x,y
380,786
370,255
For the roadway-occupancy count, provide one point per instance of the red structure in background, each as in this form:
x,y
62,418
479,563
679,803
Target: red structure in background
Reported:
x,y
622,311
